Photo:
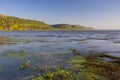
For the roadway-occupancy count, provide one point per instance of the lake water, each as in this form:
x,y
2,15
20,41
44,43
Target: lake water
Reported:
x,y
51,48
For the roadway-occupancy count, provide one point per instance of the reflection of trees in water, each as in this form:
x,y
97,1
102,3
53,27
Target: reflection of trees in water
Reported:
x,y
10,40
6,40
14,54
1,69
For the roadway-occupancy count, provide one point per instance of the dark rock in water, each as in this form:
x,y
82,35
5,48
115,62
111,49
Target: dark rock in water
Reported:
x,y
107,56
117,42
75,52
117,61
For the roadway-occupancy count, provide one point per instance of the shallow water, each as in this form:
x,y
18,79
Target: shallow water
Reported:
x,y
51,48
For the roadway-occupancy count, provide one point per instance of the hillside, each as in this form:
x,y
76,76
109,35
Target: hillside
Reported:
x,y
71,27
10,23
13,23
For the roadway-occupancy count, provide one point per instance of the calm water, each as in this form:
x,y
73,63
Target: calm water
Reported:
x,y
44,48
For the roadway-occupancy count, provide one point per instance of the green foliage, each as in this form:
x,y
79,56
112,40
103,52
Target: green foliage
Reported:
x,y
87,72
9,23
90,67
25,65
56,75
93,67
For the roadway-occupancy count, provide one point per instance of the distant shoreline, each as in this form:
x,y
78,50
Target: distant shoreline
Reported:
x,y
10,23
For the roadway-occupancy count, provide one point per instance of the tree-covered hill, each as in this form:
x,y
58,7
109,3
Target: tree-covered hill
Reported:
x,y
10,23
71,27
13,23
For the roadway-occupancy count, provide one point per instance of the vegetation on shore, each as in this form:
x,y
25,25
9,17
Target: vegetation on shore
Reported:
x,y
9,23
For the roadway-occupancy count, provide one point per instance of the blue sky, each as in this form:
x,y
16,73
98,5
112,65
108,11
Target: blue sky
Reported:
x,y
100,14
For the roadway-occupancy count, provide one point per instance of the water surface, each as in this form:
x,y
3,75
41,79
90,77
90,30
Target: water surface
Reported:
x,y
45,48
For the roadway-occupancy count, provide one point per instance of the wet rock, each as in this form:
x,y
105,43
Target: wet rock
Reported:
x,y
75,52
